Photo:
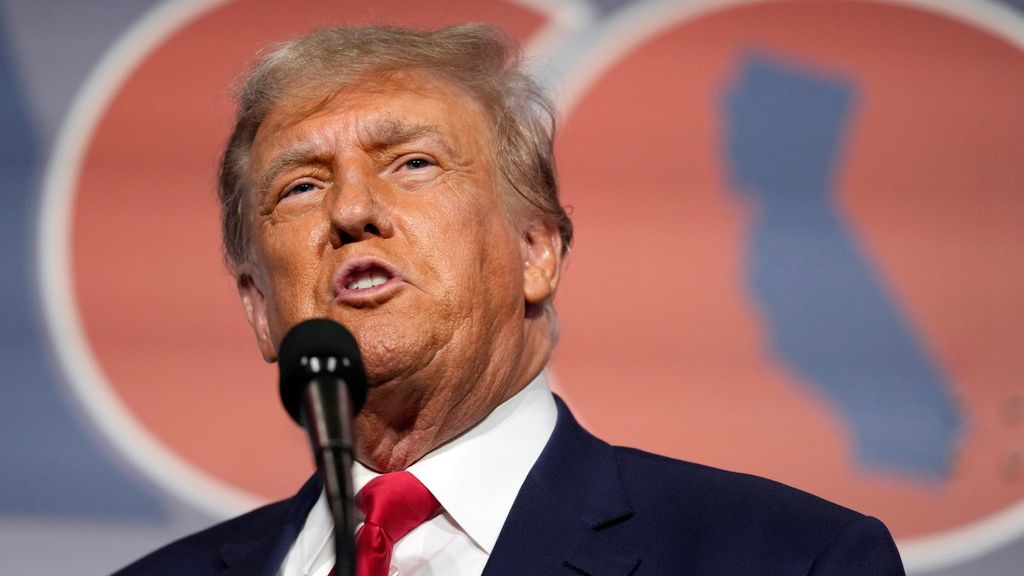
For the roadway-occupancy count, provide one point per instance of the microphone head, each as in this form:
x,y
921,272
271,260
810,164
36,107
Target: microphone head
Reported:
x,y
317,348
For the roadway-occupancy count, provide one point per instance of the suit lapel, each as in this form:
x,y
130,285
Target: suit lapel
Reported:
x,y
262,552
558,522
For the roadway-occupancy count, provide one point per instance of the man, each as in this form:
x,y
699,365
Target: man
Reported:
x,y
402,183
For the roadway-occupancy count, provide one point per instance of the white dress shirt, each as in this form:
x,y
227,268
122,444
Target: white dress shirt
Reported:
x,y
475,477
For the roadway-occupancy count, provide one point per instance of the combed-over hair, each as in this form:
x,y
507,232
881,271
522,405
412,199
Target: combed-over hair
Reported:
x,y
478,58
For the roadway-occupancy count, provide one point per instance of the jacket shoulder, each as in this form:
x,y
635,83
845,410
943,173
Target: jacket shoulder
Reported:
x,y
729,494
748,522
201,553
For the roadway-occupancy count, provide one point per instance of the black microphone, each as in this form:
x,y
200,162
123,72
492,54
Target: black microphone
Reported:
x,y
323,386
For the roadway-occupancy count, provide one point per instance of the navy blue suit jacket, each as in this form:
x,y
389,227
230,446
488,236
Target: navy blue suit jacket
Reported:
x,y
590,508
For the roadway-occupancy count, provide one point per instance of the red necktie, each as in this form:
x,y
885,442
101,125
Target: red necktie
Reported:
x,y
394,504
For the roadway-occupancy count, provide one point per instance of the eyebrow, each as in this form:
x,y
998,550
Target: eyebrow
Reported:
x,y
296,154
389,131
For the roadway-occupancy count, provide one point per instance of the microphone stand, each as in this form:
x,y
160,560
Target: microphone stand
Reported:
x,y
332,442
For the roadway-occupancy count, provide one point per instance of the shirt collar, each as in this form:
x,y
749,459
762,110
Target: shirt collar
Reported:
x,y
477,476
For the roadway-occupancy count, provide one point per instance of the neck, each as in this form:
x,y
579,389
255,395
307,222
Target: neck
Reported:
x,y
404,420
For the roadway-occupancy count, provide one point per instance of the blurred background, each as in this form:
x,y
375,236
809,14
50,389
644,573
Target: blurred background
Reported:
x,y
799,254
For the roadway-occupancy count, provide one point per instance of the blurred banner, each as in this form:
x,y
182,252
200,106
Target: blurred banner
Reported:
x,y
800,254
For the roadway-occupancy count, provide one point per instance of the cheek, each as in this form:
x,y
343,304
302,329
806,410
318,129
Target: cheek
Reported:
x,y
465,242
291,256
491,263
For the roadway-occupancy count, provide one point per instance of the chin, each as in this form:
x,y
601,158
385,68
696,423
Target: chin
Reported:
x,y
388,351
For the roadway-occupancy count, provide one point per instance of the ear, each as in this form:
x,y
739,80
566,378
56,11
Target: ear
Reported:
x,y
542,261
255,310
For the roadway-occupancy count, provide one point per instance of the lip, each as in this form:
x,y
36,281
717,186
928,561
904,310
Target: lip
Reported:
x,y
351,268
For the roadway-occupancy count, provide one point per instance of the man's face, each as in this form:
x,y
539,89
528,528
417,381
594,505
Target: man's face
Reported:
x,y
378,208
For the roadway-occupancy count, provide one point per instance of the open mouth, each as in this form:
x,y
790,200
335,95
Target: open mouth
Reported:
x,y
365,279
365,276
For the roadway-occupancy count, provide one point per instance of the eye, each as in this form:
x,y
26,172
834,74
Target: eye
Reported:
x,y
416,163
300,188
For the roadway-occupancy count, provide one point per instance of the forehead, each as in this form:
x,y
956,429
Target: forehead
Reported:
x,y
386,108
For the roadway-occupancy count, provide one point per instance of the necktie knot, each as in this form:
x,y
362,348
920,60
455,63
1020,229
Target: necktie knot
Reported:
x,y
394,504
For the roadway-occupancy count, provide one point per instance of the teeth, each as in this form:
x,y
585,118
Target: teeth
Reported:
x,y
368,281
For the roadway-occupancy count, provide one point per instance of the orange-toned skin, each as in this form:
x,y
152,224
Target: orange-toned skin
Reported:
x,y
400,170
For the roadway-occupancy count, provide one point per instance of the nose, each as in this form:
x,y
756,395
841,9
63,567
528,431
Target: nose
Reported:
x,y
360,208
